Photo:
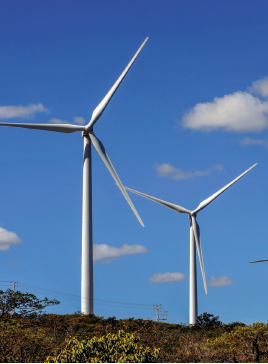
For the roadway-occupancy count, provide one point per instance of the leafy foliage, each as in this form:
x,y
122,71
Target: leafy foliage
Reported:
x,y
244,344
23,340
208,321
23,304
111,348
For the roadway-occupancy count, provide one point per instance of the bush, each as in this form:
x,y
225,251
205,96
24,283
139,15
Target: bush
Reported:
x,y
244,344
119,348
208,321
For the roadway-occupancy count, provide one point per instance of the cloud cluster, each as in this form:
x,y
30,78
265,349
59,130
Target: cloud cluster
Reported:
x,y
220,281
7,239
167,277
237,112
167,170
106,252
8,112
250,141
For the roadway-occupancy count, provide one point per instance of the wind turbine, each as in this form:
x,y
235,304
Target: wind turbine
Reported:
x,y
87,301
195,241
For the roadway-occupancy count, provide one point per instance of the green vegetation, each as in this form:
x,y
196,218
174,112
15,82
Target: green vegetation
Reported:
x,y
23,304
52,338
111,348
244,344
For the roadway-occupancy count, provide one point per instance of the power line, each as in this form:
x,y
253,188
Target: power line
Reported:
x,y
134,313
126,305
76,296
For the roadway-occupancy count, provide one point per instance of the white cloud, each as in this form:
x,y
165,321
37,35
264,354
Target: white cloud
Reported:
x,y
237,112
260,87
79,120
104,251
58,121
167,170
167,277
250,141
219,282
7,112
8,238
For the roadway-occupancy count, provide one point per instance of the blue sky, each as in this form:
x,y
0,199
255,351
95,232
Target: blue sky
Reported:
x,y
166,135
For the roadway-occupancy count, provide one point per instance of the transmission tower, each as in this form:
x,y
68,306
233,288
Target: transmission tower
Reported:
x,y
164,316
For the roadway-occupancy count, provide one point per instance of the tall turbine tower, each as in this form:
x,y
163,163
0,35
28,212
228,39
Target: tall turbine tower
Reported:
x,y
195,241
87,297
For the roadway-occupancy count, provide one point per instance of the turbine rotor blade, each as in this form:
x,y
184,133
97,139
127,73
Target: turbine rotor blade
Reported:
x,y
62,128
165,203
257,261
197,239
206,202
104,156
102,105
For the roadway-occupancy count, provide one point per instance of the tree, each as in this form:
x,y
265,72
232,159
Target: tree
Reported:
x,y
112,348
23,304
244,344
208,321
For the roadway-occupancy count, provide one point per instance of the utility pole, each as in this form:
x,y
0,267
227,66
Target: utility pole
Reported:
x,y
14,284
157,308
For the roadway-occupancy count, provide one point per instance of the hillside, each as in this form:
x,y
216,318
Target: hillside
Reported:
x,y
32,340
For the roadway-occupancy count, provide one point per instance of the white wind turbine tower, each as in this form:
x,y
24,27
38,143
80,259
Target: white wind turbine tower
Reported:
x,y
87,298
195,241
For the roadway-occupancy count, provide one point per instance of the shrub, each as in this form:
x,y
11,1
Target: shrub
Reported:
x,y
112,348
208,321
243,344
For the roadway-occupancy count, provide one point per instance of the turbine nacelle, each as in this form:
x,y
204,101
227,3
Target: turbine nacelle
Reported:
x,y
87,131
